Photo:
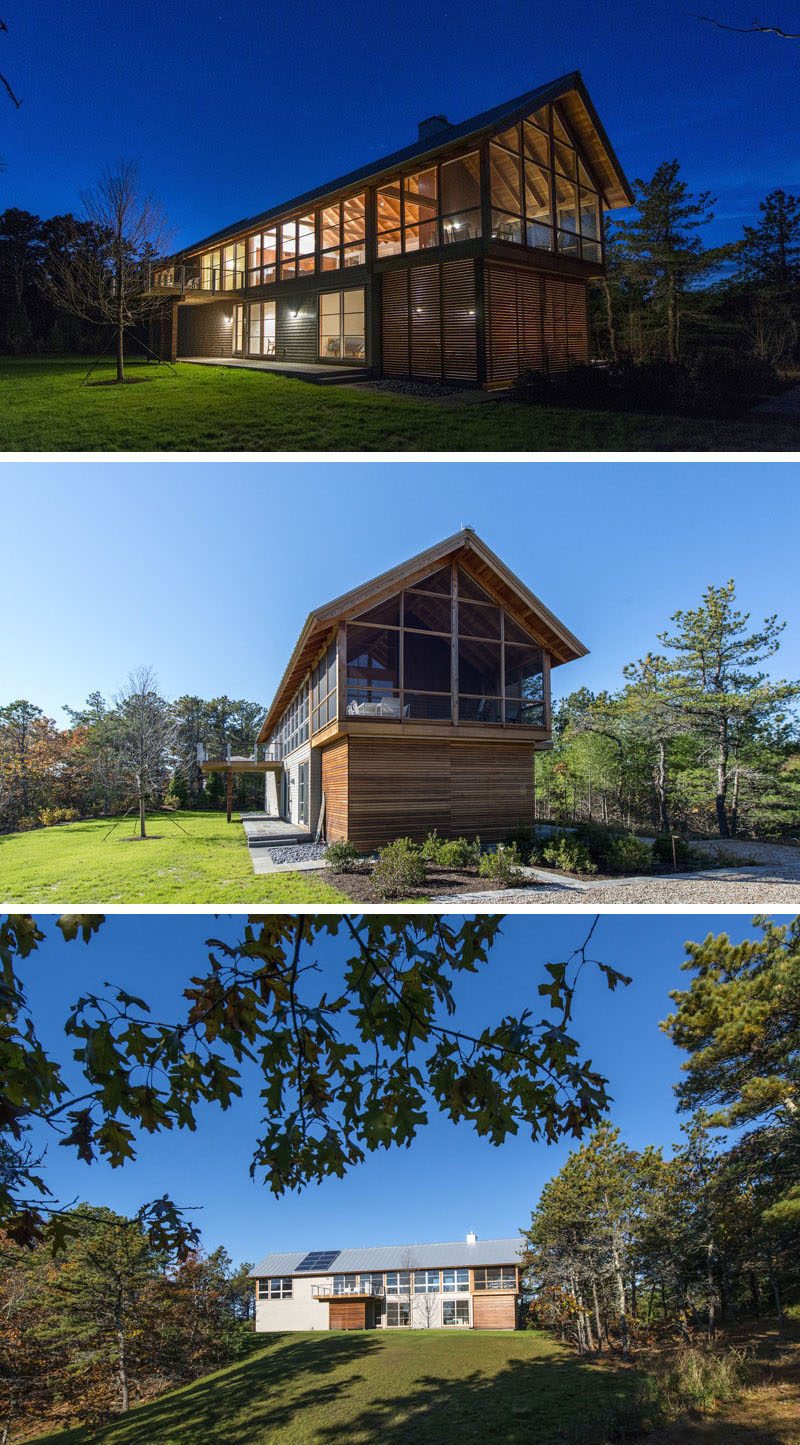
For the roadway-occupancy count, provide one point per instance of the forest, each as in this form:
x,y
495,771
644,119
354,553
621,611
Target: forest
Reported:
x,y
629,1251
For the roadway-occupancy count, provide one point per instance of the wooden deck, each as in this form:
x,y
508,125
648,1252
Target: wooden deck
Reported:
x,y
321,372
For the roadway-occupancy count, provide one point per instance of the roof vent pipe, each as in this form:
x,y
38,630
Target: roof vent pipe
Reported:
x,y
434,125
472,1237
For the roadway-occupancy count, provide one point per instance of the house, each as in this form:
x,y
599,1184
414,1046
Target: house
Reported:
x,y
465,256
418,701
470,1285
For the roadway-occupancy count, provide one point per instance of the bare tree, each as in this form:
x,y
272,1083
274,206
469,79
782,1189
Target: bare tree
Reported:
x,y
755,28
146,738
107,279
3,81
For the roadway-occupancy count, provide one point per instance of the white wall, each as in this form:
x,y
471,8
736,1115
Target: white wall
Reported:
x,y
291,765
301,1312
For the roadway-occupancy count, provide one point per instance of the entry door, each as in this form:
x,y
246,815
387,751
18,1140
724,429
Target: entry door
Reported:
x,y
302,794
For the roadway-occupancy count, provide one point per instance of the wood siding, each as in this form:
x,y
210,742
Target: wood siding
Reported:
x,y
429,325
533,320
334,786
494,1311
296,336
398,788
346,1314
203,330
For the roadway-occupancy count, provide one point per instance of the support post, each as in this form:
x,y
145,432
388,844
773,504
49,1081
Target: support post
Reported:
x,y
229,775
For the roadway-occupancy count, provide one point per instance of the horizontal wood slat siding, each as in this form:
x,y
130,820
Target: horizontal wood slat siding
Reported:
x,y
404,789
296,336
334,786
533,320
429,326
494,1311
203,330
348,1314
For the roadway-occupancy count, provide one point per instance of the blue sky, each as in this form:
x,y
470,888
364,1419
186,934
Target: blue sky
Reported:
x,y
213,588
232,107
449,1181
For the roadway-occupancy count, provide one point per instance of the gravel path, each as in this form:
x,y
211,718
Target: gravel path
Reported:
x,y
661,891
297,852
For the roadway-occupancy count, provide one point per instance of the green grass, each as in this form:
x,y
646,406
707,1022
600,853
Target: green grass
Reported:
x,y
204,408
412,1388
190,858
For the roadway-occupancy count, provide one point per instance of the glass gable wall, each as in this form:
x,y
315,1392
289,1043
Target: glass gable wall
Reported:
x,y
406,655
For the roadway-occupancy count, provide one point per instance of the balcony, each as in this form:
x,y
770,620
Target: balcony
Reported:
x,y
175,280
328,1291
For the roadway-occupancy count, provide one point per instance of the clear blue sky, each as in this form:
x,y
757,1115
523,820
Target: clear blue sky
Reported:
x,y
207,571
230,108
449,1181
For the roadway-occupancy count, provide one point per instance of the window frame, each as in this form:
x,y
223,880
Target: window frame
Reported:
x,y
275,1287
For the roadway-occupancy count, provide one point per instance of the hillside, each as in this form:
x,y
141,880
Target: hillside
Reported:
x,y
414,1387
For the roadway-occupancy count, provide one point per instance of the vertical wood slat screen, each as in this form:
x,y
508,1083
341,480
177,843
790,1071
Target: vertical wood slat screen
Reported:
x,y
535,321
429,325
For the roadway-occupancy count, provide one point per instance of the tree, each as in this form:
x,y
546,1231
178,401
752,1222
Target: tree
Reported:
x,y
769,253
145,737
712,679
109,283
660,249
348,1064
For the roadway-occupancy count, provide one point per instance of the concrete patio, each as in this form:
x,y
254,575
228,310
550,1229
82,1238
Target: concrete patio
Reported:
x,y
321,372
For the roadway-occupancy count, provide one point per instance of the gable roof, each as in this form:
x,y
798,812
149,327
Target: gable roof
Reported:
x,y
477,559
568,89
455,1255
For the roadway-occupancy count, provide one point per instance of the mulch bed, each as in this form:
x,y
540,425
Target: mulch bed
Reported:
x,y
358,886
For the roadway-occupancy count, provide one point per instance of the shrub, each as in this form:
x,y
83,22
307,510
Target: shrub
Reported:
x,y
524,836
628,854
177,792
718,383
502,866
458,853
343,856
431,846
662,851
48,817
567,852
26,823
400,867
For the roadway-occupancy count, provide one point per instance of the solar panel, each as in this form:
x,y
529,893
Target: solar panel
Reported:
x,y
318,1259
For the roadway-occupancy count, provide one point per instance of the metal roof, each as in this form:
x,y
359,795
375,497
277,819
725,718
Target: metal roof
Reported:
x,y
398,1256
430,145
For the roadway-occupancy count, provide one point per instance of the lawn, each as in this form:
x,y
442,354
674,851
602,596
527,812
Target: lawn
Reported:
x,y
205,408
415,1387
190,858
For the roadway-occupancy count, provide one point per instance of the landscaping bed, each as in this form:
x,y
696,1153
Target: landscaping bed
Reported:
x,y
357,886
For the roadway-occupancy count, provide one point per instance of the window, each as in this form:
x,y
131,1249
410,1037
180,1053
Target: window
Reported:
x,y
426,1281
341,325
280,1288
460,190
496,1277
370,1283
262,257
455,1281
302,794
292,730
421,210
398,1281
506,187
345,1283
455,1312
210,271
343,233
323,690
542,193
397,1313
233,266
238,329
261,328
524,679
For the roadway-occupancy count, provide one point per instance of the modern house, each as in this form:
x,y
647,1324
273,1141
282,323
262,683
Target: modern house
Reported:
x,y
469,1285
418,701
464,256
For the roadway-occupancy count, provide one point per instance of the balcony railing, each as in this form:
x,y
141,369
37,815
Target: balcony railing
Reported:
x,y
328,1291
175,280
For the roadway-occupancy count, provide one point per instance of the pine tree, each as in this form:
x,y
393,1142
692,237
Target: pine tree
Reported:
x,y
769,253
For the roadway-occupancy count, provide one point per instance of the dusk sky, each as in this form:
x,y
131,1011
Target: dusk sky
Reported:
x,y
449,1181
232,107
208,570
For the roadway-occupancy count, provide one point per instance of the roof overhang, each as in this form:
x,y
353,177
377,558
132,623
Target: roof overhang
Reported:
x,y
487,569
569,90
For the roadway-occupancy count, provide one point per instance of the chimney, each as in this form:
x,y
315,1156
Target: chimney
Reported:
x,y
472,1237
433,126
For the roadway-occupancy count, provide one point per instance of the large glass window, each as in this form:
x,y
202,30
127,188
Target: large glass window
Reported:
x,y
460,184
261,328
280,1288
341,325
398,1281
238,330
292,730
401,654
343,233
506,188
211,271
455,1312
426,1281
345,1283
397,1313
541,190
233,266
262,258
496,1277
421,210
388,217
455,1281
323,690
370,1283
